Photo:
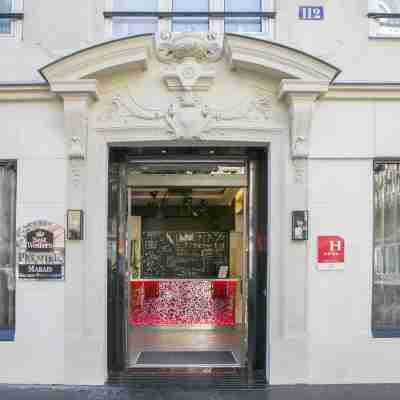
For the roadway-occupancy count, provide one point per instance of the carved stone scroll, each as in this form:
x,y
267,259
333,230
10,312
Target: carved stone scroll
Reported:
x,y
176,47
187,118
188,56
300,97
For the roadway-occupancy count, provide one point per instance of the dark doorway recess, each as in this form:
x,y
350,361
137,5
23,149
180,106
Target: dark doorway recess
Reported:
x,y
254,370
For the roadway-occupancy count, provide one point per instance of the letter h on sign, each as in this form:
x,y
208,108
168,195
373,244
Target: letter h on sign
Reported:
x,y
335,246
330,252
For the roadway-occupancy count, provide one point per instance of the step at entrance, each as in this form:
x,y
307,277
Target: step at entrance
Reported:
x,y
222,358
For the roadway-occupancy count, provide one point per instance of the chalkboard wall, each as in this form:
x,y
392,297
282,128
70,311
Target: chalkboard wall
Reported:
x,y
217,218
183,254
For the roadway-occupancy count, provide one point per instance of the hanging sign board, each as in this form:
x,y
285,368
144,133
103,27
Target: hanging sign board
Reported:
x,y
41,251
311,13
330,253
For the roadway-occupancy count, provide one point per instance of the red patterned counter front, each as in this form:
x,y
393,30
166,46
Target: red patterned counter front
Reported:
x,y
182,302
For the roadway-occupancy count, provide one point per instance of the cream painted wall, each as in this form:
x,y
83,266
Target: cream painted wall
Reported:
x,y
52,29
342,38
33,134
317,333
346,137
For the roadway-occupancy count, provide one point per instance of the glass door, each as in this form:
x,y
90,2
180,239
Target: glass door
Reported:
x,y
257,263
244,280
162,214
118,288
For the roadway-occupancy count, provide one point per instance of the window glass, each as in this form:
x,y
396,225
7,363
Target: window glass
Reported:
x,y
386,278
135,5
135,25
190,24
7,251
243,24
5,24
387,26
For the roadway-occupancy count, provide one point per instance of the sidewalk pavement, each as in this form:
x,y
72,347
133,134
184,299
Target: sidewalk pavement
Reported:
x,y
296,392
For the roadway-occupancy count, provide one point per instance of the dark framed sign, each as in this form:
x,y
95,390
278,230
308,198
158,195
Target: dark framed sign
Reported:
x,y
41,251
311,13
75,225
300,225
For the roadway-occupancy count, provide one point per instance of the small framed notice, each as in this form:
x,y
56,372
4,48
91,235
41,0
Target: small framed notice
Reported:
x,y
223,272
75,225
300,225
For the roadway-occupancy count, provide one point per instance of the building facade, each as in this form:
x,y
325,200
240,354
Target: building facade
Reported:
x,y
317,88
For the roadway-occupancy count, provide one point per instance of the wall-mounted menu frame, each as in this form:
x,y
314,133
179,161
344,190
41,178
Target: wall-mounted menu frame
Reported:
x,y
75,225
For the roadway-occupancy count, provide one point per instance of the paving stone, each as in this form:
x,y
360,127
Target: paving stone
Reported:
x,y
296,392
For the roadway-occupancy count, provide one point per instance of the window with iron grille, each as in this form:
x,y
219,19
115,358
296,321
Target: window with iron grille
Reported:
x,y
386,272
8,180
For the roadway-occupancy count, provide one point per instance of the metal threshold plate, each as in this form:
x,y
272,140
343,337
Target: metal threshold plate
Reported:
x,y
184,358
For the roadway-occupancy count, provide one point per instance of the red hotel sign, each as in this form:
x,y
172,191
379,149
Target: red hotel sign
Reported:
x,y
330,252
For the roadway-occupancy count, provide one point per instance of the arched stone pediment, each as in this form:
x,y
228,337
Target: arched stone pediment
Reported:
x,y
277,59
187,63
243,52
130,51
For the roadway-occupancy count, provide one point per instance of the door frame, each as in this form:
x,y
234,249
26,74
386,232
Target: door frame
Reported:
x,y
257,300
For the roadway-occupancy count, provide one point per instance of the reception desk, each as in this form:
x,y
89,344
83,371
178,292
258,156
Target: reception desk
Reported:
x,y
183,301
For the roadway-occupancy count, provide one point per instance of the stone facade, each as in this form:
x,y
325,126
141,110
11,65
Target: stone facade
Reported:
x,y
323,133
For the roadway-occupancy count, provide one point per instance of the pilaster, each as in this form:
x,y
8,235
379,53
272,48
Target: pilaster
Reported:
x,y
300,97
77,97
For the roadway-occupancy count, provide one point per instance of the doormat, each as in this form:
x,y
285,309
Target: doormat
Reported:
x,y
186,358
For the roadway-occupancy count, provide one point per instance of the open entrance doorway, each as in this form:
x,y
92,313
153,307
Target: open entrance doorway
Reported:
x,y
187,260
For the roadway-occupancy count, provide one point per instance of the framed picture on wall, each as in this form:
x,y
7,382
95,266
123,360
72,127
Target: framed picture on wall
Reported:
x,y
75,225
223,272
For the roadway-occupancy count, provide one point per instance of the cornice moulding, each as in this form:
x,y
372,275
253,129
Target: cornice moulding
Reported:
x,y
79,88
299,88
26,93
363,92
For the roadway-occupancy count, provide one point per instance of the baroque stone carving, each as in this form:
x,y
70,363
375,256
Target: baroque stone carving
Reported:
x,y
188,55
76,150
176,47
76,173
299,147
188,118
299,165
188,76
